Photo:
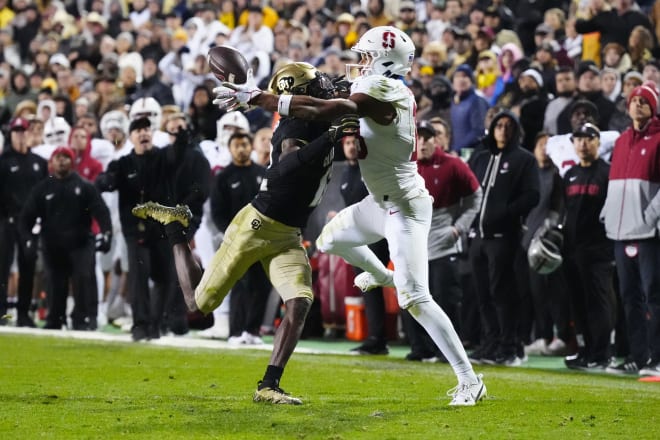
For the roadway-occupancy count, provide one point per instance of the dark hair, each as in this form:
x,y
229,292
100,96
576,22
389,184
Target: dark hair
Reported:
x,y
565,69
240,134
540,135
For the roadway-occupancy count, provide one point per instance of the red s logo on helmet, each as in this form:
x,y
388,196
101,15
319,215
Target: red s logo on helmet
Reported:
x,y
389,39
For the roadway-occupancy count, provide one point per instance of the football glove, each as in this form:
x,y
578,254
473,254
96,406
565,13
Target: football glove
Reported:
x,y
103,242
346,125
230,96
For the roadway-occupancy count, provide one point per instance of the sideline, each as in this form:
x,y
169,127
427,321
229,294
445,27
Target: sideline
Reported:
x,y
187,341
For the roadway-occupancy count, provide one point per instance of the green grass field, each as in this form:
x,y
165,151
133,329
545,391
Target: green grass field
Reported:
x,y
68,389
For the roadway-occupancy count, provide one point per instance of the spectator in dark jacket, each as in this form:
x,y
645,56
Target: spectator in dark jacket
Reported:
x,y
531,106
66,205
234,187
145,174
152,86
20,170
510,182
589,254
204,114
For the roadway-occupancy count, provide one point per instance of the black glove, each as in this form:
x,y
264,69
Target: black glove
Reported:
x,y
183,137
103,242
347,125
342,86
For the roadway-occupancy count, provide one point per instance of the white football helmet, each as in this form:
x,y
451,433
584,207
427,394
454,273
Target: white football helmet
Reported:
x,y
385,50
544,253
147,108
114,119
228,124
56,132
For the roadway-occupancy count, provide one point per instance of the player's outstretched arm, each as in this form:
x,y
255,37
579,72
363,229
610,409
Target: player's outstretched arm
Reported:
x,y
305,107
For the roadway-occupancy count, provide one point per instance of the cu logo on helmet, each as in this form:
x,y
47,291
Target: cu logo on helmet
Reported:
x,y
389,40
284,84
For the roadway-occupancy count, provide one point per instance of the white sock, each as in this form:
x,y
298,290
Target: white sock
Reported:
x,y
439,327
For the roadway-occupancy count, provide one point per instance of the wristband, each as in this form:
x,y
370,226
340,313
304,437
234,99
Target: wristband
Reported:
x,y
284,104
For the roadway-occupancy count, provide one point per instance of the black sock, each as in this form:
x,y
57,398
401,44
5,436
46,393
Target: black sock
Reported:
x,y
176,233
272,377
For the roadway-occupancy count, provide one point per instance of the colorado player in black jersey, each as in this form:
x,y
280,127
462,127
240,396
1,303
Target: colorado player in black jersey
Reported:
x,y
268,230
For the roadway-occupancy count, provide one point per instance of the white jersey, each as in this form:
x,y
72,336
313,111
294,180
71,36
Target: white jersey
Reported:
x,y
217,155
103,151
386,166
44,150
562,152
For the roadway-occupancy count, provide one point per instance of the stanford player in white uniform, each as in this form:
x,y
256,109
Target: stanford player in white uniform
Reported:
x,y
398,206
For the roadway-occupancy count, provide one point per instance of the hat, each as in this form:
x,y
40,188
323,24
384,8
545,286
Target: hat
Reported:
x,y
466,69
587,66
345,18
460,32
486,32
425,126
19,124
492,11
126,36
487,55
95,17
633,74
543,29
587,130
180,34
407,4
60,59
426,70
63,150
139,123
587,105
547,46
535,75
649,92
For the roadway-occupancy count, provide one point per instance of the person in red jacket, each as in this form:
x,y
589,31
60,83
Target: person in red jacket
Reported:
x,y
632,219
80,141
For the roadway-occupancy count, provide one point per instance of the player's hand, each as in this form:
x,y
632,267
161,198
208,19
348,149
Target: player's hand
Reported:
x,y
342,86
346,125
103,242
230,96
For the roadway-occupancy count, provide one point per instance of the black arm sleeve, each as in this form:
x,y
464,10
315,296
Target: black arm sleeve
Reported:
x,y
107,180
316,149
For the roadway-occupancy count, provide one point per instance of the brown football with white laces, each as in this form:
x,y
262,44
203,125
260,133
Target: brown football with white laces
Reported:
x,y
228,64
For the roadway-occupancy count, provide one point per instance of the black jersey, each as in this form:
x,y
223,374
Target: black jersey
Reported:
x,y
586,189
290,198
18,174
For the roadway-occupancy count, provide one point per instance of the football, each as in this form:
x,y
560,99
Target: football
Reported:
x,y
228,64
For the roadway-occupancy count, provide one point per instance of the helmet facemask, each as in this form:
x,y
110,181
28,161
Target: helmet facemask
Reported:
x,y
384,50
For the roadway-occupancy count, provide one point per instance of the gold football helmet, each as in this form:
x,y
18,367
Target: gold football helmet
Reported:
x,y
301,79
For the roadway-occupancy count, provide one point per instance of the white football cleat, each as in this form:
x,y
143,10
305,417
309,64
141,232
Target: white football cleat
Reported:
x,y
367,281
465,394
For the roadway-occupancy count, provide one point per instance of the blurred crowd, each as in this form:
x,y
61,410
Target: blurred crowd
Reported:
x,y
79,78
